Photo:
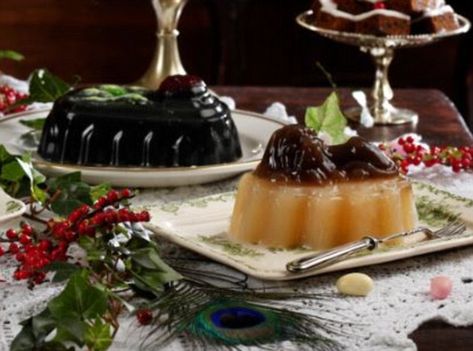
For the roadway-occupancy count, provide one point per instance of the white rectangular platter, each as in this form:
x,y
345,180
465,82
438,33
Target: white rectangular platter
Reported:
x,y
200,225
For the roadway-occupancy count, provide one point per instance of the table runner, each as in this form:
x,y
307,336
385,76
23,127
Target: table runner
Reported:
x,y
381,321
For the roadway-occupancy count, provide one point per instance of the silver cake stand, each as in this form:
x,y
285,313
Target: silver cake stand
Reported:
x,y
382,52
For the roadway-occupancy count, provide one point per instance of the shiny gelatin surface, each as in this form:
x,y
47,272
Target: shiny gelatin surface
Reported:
x,y
181,124
305,193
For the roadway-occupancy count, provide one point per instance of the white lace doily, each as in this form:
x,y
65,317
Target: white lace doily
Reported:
x,y
383,320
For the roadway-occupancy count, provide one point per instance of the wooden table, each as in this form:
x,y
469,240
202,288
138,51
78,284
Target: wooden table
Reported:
x,y
439,123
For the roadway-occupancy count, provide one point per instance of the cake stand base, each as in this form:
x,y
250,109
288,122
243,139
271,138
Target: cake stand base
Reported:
x,y
394,116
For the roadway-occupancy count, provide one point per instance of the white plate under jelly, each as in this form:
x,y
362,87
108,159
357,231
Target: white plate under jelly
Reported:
x,y
201,225
254,131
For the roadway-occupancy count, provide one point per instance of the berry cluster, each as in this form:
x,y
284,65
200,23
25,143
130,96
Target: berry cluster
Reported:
x,y
8,97
34,250
406,152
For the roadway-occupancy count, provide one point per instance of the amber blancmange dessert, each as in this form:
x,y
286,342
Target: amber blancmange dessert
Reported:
x,y
306,193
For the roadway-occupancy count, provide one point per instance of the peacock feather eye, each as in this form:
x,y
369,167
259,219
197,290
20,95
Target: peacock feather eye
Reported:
x,y
237,318
236,323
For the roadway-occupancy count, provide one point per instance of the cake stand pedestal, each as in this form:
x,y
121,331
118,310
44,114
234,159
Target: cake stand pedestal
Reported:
x,y
381,50
166,60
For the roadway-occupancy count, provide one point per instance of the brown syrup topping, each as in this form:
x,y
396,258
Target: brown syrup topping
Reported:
x,y
295,154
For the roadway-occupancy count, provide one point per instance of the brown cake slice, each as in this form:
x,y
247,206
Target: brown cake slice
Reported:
x,y
383,22
442,19
412,7
354,7
335,21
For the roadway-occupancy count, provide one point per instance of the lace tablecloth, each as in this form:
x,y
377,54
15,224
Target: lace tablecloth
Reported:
x,y
383,320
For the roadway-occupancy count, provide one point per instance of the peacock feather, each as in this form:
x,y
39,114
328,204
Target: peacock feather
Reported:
x,y
204,316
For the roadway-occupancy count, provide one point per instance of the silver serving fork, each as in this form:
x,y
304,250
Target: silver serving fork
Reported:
x,y
329,257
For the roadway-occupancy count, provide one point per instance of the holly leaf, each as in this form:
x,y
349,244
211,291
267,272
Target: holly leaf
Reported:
x,y
11,55
328,118
79,300
98,337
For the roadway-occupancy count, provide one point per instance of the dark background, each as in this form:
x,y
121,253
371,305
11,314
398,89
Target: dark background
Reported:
x,y
227,42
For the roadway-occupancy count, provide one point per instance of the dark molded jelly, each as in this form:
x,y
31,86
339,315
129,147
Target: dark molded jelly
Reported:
x,y
295,154
110,125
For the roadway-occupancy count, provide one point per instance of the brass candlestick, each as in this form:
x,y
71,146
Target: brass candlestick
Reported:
x,y
382,52
166,60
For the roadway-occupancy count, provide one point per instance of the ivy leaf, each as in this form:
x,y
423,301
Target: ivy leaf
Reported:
x,y
98,337
44,87
328,118
150,272
148,258
79,300
11,55
63,270
34,332
4,154
71,329
35,178
12,171
36,124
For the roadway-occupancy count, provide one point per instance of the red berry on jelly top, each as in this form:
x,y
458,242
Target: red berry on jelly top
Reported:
x,y
180,83
380,5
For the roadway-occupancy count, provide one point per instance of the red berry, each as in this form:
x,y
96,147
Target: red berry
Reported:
x,y
456,168
39,277
26,229
13,248
11,234
417,160
401,141
410,139
20,275
112,196
20,257
466,163
144,216
44,245
2,251
69,235
25,239
409,148
144,316
126,193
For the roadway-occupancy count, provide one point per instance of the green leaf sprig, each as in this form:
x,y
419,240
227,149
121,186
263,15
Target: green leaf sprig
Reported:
x,y
328,118
18,177
11,55
44,87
